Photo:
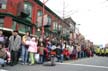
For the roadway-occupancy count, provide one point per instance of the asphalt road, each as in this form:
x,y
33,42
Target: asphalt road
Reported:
x,y
87,64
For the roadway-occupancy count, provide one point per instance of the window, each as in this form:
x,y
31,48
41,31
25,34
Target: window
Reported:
x,y
3,4
1,22
24,28
59,27
28,9
14,25
39,13
38,31
49,20
39,18
28,28
55,25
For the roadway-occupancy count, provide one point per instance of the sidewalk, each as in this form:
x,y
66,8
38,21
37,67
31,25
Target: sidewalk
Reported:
x,y
77,60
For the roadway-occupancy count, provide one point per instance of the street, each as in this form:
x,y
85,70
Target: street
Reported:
x,y
87,64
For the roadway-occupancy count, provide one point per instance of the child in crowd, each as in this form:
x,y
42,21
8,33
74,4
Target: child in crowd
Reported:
x,y
8,56
66,54
41,53
3,55
59,54
32,49
74,53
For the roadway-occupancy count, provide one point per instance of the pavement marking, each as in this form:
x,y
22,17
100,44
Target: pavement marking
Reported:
x,y
85,65
3,70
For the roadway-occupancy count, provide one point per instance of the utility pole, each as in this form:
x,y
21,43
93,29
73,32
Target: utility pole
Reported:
x,y
63,15
63,9
43,8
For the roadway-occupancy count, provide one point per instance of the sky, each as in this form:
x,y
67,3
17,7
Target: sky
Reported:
x,y
92,15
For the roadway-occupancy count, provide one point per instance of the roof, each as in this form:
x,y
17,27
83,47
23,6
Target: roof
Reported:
x,y
66,23
70,20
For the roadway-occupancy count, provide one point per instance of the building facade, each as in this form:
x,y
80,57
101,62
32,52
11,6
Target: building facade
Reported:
x,y
27,15
71,28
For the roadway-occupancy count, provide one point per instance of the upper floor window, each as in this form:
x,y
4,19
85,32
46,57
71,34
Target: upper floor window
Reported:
x,y
39,18
54,25
3,4
49,20
28,9
39,13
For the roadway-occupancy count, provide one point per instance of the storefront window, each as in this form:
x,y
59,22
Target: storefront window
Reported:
x,y
28,10
3,4
24,28
14,25
38,31
28,28
59,27
1,22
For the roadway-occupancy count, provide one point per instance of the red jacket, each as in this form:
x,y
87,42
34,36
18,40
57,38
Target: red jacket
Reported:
x,y
66,52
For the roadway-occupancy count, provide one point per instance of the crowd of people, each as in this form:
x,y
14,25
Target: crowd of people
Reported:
x,y
30,50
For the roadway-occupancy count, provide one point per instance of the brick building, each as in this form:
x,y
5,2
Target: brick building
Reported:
x,y
26,15
71,27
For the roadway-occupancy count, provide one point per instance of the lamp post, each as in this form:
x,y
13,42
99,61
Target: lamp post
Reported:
x,y
42,32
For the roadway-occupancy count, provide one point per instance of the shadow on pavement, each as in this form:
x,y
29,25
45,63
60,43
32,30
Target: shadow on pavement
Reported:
x,y
49,64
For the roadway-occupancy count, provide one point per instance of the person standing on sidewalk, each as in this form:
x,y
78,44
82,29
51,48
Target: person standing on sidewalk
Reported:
x,y
24,48
3,55
41,53
74,53
59,53
2,38
32,49
14,46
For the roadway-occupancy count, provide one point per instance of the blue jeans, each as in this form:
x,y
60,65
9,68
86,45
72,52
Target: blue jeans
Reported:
x,y
41,59
60,58
24,54
85,54
81,54
2,61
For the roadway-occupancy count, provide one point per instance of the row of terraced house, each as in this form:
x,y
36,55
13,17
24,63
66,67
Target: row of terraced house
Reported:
x,y
26,15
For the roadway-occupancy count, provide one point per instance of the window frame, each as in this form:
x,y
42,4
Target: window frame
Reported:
x,y
39,14
49,20
1,22
26,9
14,25
3,2
55,25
